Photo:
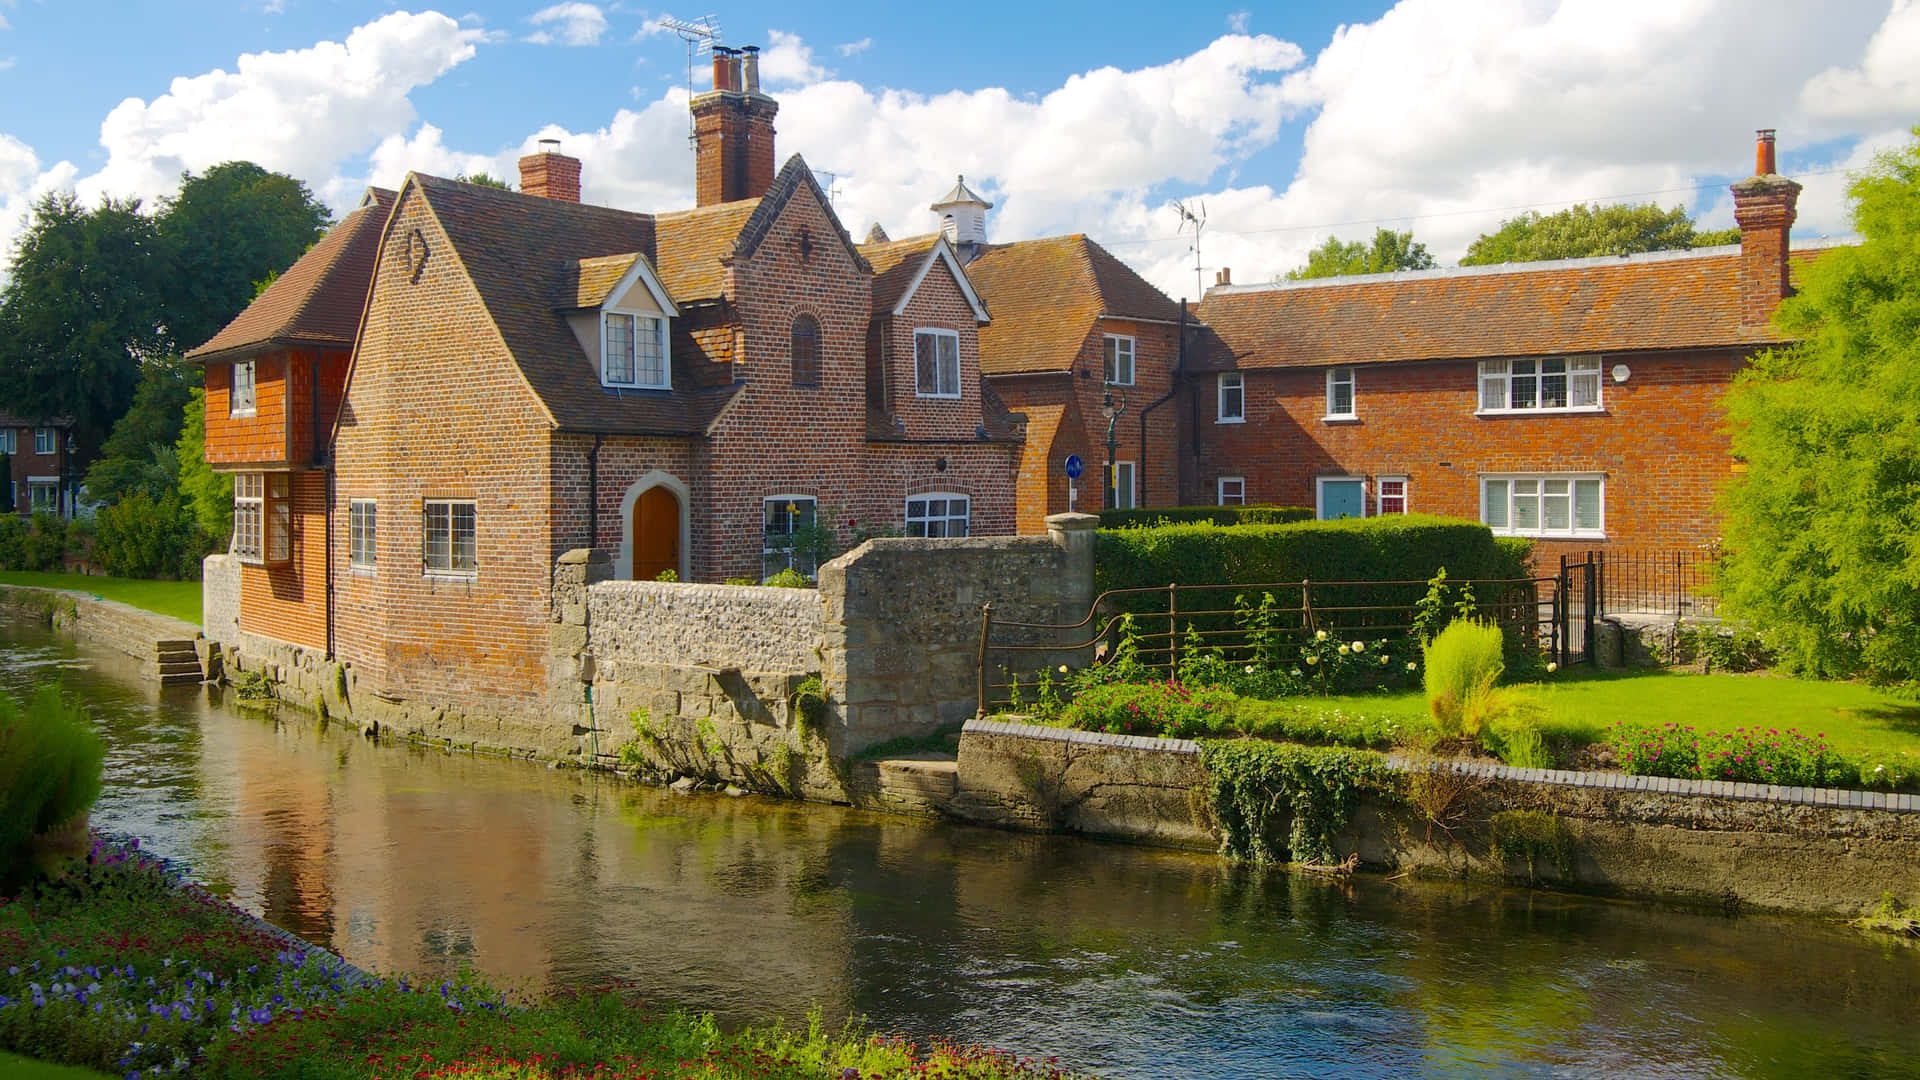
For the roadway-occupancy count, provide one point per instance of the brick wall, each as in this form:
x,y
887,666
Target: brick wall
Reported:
x,y
1055,429
1657,442
288,602
937,304
26,464
437,410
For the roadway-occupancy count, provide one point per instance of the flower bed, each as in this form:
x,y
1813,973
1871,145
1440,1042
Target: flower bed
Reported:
x,y
121,968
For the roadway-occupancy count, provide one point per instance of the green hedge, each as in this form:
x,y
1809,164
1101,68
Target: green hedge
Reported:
x,y
1408,547
1262,514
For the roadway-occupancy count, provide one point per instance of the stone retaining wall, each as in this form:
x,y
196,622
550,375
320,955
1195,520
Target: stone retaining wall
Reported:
x,y
1732,845
107,623
748,627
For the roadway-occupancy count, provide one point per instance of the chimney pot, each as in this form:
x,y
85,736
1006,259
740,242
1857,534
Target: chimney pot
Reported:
x,y
1224,276
549,146
750,69
1763,158
722,68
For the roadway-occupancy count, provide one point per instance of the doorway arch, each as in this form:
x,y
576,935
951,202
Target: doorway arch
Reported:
x,y
654,530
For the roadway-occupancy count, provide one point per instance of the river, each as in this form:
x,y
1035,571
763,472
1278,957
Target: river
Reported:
x,y
1126,961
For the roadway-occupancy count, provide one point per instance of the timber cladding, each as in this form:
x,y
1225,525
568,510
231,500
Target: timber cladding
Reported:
x,y
288,601
260,438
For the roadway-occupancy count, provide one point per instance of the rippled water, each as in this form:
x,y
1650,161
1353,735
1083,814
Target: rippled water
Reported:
x,y
1132,962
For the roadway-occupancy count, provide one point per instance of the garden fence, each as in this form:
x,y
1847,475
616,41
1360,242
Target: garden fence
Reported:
x,y
1658,582
1555,613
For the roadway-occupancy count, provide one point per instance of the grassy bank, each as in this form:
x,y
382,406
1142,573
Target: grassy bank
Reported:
x,y
177,599
116,968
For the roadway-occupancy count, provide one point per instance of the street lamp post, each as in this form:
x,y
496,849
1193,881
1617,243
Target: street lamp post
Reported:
x,y
1112,412
73,489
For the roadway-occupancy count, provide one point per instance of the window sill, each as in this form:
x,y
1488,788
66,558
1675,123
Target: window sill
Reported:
x,y
1547,536
918,396
362,571
236,414
1568,410
453,576
1346,418
1231,420
604,384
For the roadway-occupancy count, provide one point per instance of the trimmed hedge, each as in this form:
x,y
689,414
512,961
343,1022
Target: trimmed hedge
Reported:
x,y
1408,547
1259,514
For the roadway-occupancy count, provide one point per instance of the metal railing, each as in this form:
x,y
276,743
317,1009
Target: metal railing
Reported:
x,y
1677,581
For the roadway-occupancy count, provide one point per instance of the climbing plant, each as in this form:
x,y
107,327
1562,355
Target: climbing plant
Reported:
x,y
1258,788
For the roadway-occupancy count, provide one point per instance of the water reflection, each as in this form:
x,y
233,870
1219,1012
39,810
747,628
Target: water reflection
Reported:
x,y
1138,962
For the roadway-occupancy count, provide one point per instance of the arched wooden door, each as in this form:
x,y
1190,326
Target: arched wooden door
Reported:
x,y
656,533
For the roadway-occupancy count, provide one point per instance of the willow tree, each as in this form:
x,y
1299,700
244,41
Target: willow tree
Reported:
x,y
1823,527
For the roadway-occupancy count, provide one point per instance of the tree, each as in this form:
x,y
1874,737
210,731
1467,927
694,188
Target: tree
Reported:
x,y
79,311
139,454
1823,528
228,228
209,494
1581,231
484,180
1389,251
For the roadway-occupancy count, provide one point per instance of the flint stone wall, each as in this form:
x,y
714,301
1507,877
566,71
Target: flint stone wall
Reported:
x,y
744,627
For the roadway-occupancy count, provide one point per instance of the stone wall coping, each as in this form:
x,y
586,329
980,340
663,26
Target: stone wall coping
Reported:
x,y
1837,798
127,614
697,588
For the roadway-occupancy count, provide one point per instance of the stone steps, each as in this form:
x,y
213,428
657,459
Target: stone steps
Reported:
x,y
177,662
919,784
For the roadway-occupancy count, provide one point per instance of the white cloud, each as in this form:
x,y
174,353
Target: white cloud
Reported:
x,y
3,23
854,48
1884,86
788,61
1238,21
21,183
570,24
274,7
7,64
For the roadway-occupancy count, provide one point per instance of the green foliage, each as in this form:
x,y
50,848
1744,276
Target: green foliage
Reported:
x,y
1515,735
1260,790
1719,647
1389,251
140,454
209,493
1582,231
789,579
1750,755
1256,514
37,544
254,687
1166,709
740,581
668,575
810,707
1536,836
140,537
226,229
484,180
1393,548
1820,527
1890,916
50,769
1463,662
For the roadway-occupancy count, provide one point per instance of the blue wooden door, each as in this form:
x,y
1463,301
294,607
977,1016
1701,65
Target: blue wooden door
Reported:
x,y
1342,499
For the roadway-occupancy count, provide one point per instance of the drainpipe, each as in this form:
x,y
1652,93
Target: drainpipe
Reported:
x,y
1173,387
593,494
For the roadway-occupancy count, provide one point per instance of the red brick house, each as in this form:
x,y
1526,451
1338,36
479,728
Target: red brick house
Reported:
x,y
1575,402
40,476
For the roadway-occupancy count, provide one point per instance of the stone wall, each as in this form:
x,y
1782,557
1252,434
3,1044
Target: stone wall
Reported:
x,y
220,597
749,627
902,626
1729,845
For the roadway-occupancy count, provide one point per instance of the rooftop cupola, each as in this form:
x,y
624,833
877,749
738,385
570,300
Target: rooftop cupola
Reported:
x,y
963,217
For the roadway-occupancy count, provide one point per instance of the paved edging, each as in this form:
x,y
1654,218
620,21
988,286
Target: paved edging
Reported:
x,y
1829,798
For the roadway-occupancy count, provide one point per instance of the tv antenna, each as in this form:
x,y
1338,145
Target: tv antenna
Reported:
x,y
832,187
701,35
1198,221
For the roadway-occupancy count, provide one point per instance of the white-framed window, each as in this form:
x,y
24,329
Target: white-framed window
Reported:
x,y
1540,385
262,518
1233,398
1545,504
1123,493
43,440
1340,394
240,392
784,516
936,363
449,535
1117,360
937,513
361,521
9,442
1339,497
43,494
1389,495
633,351
1232,490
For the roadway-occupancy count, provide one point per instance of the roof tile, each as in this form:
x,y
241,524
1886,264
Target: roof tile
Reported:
x,y
1045,296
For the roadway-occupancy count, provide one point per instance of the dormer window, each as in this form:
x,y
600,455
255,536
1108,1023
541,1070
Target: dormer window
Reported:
x,y
633,351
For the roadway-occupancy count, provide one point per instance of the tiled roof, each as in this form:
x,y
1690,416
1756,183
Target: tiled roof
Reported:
x,y
692,244
8,420
588,282
1045,295
319,299
520,250
895,262
1666,300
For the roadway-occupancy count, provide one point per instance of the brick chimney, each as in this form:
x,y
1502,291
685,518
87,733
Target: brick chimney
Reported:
x,y
733,131
551,174
1763,206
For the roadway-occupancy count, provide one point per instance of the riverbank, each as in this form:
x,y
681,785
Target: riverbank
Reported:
x,y
127,968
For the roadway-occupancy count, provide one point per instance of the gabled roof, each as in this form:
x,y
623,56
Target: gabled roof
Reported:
x,y
1662,300
318,301
1046,295
899,266
521,252
793,176
592,280
692,247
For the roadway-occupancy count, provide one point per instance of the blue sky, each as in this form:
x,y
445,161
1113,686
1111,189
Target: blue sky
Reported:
x,y
1288,121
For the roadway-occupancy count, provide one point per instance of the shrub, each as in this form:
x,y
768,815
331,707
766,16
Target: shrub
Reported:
x,y
668,575
1748,755
1217,515
1257,789
789,579
1462,665
50,766
141,538
1166,709
44,547
13,542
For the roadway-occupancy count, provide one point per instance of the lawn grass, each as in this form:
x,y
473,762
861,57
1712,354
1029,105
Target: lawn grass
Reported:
x,y
179,599
15,1067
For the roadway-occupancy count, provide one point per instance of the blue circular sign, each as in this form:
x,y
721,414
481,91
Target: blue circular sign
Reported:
x,y
1074,466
